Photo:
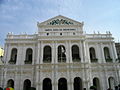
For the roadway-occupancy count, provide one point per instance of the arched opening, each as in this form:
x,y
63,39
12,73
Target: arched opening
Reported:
x,y
111,82
1,88
107,54
77,84
27,84
13,57
61,54
92,55
10,83
96,83
62,84
47,85
29,53
75,53
47,54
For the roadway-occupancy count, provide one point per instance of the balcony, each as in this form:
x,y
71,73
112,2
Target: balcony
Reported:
x,y
108,59
76,59
47,60
94,60
28,61
11,61
61,59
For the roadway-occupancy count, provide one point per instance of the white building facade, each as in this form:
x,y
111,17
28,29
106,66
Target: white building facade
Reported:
x,y
60,57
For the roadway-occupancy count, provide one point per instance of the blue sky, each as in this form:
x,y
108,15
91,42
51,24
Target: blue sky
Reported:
x,y
19,16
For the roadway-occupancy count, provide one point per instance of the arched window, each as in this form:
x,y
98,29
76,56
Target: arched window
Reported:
x,y
27,84
47,85
96,83
107,54
75,53
78,84
92,55
10,83
111,82
61,54
47,54
62,84
29,54
13,57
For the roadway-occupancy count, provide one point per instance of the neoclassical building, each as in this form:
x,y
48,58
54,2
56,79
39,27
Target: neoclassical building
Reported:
x,y
61,56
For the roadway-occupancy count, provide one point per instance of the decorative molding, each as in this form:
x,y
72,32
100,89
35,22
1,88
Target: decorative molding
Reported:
x,y
60,22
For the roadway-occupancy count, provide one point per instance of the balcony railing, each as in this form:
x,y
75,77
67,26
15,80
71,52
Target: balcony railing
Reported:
x,y
108,59
94,60
61,59
28,61
11,61
47,60
76,59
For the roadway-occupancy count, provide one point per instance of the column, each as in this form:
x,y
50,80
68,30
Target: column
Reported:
x,y
98,53
81,51
56,52
114,51
102,53
35,54
69,84
111,51
85,50
70,52
40,86
38,53
23,54
56,85
41,52
8,54
37,78
53,52
86,77
67,52
19,55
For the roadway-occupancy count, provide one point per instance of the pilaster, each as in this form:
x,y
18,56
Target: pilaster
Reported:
x,y
81,51
102,53
41,52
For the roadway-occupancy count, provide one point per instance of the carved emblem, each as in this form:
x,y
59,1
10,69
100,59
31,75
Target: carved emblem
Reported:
x,y
60,22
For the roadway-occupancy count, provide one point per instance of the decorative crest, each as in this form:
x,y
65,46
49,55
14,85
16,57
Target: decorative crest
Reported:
x,y
60,22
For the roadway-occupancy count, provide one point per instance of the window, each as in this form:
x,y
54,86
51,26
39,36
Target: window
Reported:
x,y
61,54
107,54
75,53
29,53
78,84
47,34
96,83
10,83
73,33
60,33
92,55
47,54
27,84
13,57
62,84
111,82
47,85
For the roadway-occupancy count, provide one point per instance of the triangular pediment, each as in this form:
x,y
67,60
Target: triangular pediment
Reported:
x,y
60,20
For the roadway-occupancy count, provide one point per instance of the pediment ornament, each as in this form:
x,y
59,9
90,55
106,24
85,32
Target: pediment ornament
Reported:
x,y
60,22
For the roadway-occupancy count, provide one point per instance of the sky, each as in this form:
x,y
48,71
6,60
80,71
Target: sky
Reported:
x,y
20,16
